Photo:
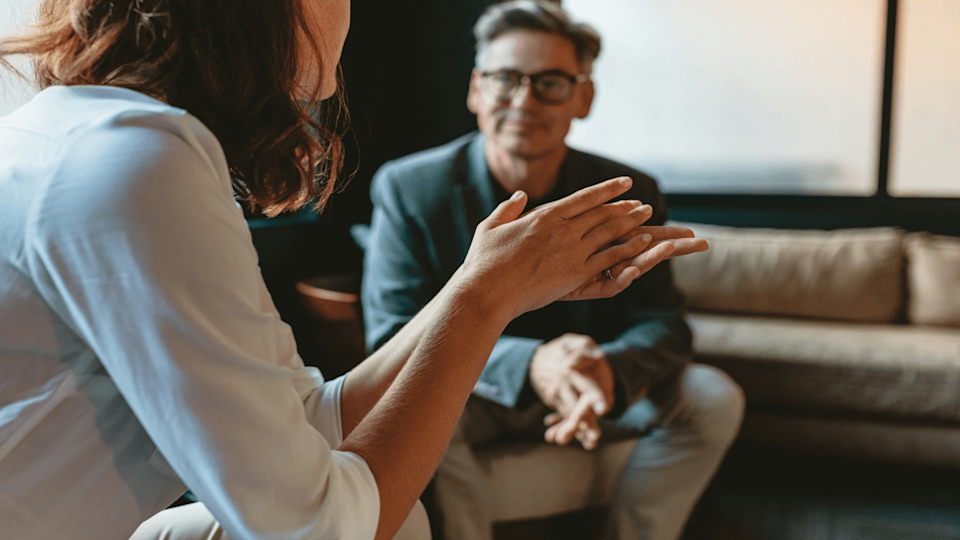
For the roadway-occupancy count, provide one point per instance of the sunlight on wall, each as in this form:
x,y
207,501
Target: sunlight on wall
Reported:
x,y
925,158
747,96
13,91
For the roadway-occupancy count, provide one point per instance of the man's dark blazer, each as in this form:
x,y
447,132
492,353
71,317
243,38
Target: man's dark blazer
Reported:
x,y
426,208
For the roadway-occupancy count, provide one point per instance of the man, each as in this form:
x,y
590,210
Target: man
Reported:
x,y
593,370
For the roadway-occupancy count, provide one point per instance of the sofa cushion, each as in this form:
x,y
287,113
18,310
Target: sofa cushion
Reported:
x,y
933,273
849,368
852,274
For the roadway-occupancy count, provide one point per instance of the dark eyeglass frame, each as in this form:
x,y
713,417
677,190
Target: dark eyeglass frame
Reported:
x,y
533,79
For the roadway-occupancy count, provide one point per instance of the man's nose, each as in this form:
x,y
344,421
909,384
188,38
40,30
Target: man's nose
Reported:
x,y
523,96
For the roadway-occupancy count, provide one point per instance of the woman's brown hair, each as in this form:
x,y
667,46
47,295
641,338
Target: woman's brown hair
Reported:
x,y
231,63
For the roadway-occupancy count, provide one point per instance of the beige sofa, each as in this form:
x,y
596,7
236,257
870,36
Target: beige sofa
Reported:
x,y
845,342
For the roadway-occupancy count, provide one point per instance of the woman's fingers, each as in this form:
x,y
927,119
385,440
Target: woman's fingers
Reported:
x,y
653,256
608,229
630,250
505,212
600,286
588,198
658,232
686,246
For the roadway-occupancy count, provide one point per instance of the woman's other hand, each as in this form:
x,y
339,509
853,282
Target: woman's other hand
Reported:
x,y
558,250
662,243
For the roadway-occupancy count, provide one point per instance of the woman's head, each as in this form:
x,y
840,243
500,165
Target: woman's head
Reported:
x,y
242,67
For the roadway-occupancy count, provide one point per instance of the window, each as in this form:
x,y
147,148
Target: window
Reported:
x,y
740,96
13,91
925,140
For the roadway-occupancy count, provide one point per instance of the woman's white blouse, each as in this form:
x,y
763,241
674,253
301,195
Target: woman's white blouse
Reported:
x,y
139,349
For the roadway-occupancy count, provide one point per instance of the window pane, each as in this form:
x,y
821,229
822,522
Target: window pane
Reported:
x,y
13,91
925,143
746,96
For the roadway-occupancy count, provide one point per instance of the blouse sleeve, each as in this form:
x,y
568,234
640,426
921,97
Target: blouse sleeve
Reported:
x,y
137,244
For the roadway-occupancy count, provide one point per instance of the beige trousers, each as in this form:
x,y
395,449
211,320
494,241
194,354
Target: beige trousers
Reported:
x,y
195,522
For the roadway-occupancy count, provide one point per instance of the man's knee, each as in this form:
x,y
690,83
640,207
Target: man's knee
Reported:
x,y
187,522
195,522
715,401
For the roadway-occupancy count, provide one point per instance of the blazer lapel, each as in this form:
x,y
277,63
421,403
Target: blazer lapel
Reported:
x,y
472,191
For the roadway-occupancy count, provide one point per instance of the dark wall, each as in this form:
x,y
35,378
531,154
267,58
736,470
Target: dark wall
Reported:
x,y
406,68
940,216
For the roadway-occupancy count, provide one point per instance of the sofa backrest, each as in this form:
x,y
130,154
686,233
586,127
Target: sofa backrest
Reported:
x,y
848,274
933,278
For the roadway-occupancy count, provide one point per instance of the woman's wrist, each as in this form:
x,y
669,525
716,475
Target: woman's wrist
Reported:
x,y
489,302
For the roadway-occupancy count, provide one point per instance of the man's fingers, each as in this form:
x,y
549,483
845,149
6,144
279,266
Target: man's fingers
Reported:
x,y
566,398
591,197
552,419
567,429
587,359
588,435
588,389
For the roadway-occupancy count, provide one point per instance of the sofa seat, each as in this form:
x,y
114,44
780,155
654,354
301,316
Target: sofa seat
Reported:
x,y
892,370
567,478
885,392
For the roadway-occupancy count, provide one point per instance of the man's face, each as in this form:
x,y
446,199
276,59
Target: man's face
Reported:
x,y
525,126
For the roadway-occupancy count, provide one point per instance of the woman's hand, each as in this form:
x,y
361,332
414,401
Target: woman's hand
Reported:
x,y
662,243
526,262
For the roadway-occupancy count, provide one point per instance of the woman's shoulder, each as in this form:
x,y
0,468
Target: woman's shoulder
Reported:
x,y
117,156
108,121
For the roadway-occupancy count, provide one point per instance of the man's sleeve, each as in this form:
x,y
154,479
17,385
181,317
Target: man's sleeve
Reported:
x,y
655,344
397,281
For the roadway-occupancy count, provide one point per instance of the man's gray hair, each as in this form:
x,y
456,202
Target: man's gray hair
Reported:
x,y
537,16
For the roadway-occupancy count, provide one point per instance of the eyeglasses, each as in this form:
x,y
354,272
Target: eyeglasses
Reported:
x,y
552,87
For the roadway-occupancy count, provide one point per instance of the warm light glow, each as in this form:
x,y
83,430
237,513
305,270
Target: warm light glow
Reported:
x,y
739,95
925,145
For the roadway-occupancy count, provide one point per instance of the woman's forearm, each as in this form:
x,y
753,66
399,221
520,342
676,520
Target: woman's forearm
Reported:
x,y
404,435
369,380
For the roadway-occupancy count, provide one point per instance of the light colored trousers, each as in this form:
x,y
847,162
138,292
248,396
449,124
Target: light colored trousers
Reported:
x,y
686,430
195,522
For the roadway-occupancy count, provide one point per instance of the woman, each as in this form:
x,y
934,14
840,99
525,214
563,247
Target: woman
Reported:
x,y
140,352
